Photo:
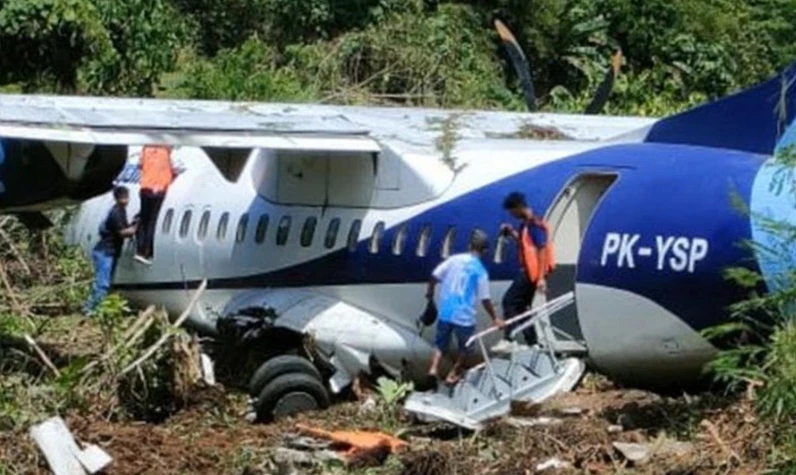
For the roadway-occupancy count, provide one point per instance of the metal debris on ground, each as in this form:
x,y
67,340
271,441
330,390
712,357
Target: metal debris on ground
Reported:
x,y
532,422
62,452
641,453
553,463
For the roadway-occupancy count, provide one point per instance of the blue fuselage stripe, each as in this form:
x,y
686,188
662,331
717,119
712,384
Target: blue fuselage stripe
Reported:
x,y
672,197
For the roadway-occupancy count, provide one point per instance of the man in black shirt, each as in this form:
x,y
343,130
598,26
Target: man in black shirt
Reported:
x,y
112,233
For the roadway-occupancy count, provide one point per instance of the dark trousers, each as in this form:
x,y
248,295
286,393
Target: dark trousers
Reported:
x,y
150,208
518,299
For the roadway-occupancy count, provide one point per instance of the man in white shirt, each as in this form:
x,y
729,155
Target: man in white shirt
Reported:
x,y
464,281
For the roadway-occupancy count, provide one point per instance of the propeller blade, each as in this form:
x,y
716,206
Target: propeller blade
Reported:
x,y
519,62
601,96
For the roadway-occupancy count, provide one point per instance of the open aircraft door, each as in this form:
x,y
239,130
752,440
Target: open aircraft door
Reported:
x,y
569,218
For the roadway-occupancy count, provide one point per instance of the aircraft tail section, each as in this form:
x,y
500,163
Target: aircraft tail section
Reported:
x,y
758,120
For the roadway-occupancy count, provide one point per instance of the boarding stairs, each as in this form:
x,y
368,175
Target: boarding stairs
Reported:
x,y
526,373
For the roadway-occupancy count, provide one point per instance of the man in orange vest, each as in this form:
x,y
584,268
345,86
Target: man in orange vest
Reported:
x,y
536,260
157,174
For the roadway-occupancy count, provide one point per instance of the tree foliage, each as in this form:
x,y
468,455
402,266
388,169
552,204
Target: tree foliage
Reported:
x,y
416,52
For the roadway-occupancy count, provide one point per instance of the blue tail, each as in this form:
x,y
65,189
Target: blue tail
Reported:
x,y
758,120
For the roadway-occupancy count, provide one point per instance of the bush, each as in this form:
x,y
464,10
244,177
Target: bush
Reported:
x,y
760,340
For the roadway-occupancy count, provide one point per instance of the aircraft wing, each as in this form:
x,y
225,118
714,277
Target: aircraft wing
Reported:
x,y
83,121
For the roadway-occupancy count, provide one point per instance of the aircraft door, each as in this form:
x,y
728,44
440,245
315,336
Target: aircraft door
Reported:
x,y
569,218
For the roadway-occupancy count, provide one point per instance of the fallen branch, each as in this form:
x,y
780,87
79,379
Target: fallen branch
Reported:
x,y
42,355
140,326
18,308
152,349
15,251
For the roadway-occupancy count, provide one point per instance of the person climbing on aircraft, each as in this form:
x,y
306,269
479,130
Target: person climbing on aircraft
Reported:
x,y
112,233
464,281
537,260
159,169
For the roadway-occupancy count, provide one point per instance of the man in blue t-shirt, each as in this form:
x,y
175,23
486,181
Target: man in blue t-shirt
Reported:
x,y
464,281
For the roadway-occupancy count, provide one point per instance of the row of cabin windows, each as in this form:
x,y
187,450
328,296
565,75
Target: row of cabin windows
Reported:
x,y
330,239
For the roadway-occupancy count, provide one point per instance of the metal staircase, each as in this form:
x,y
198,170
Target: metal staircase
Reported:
x,y
530,374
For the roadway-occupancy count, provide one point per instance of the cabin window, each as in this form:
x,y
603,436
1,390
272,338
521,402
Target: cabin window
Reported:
x,y
262,228
240,233
167,221
283,230
185,224
399,242
353,235
221,233
447,244
375,238
423,241
204,223
331,233
308,231
501,248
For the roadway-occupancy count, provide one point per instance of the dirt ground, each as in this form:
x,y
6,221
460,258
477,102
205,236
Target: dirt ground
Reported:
x,y
212,437
577,431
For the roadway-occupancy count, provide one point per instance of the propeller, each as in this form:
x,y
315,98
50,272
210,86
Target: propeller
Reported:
x,y
522,68
519,61
604,90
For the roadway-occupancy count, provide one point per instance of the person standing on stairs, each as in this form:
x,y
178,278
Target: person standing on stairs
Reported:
x,y
537,261
464,281
158,172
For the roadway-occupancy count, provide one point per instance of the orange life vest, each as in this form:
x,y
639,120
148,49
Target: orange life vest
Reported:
x,y
156,171
529,254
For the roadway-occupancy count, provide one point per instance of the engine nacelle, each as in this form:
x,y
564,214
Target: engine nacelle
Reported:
x,y
345,336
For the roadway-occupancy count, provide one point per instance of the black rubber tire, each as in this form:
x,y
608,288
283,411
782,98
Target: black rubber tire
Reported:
x,y
277,366
302,391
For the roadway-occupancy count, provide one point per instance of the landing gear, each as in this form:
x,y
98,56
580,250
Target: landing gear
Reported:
x,y
286,385
289,394
278,366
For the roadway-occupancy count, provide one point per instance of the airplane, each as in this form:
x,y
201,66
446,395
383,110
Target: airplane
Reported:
x,y
332,218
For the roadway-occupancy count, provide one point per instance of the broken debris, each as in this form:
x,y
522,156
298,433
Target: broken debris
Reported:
x,y
359,447
62,452
553,463
641,453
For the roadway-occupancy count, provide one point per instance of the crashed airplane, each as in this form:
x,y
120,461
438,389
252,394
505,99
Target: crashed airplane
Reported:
x,y
330,219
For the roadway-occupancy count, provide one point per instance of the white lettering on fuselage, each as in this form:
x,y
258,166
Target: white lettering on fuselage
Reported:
x,y
676,253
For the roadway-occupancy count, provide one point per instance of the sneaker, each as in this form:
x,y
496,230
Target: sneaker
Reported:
x,y
505,347
142,259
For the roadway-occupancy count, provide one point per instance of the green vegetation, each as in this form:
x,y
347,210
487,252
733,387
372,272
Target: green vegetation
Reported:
x,y
761,338
415,52
440,53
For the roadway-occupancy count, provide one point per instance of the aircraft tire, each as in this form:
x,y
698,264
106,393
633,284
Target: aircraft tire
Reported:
x,y
288,394
278,366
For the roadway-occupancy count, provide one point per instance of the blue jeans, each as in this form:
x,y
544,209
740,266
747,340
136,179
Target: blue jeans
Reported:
x,y
103,273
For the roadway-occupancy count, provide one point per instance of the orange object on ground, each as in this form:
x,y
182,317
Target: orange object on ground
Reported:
x,y
357,443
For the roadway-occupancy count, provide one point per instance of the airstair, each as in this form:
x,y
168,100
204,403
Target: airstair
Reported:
x,y
526,373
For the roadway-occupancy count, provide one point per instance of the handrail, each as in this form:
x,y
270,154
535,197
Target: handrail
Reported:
x,y
549,308
556,302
